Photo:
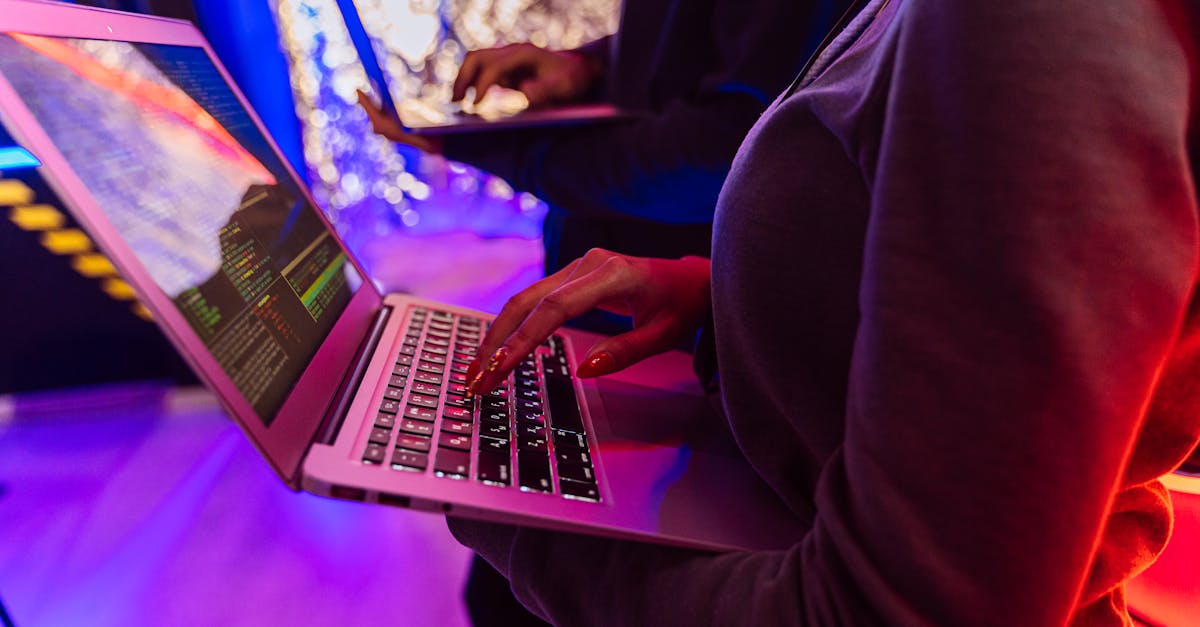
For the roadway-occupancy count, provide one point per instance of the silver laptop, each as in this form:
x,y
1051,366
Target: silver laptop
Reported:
x,y
417,90
346,392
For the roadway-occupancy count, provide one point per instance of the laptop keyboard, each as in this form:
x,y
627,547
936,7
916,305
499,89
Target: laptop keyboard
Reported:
x,y
527,434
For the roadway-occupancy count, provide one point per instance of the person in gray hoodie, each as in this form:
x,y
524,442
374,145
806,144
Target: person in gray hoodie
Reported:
x,y
953,296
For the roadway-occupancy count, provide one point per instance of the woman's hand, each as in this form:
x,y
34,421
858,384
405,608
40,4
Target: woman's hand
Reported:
x,y
388,125
668,299
544,76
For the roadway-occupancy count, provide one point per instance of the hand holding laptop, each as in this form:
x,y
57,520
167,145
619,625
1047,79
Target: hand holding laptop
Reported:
x,y
515,86
667,298
387,124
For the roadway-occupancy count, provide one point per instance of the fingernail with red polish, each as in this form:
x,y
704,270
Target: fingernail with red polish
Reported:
x,y
473,369
498,358
599,364
473,385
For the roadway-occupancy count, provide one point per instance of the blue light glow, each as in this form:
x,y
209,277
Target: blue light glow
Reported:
x,y
15,157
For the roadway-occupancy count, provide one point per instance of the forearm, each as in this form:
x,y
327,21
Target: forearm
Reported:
x,y
658,167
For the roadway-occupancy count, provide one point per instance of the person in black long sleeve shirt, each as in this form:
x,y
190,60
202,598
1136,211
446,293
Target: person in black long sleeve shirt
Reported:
x,y
701,72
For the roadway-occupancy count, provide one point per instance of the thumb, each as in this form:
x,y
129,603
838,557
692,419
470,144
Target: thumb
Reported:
x,y
621,351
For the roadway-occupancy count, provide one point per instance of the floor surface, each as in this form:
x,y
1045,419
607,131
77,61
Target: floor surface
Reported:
x,y
144,505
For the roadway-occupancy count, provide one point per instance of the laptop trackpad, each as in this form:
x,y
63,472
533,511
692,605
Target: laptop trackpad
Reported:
x,y
656,416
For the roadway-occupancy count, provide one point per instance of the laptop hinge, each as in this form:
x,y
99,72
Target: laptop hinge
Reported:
x,y
331,424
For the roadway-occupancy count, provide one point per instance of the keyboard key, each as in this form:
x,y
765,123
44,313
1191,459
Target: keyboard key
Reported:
x,y
385,421
457,389
457,413
529,395
400,371
530,419
428,378
380,436
457,426
494,404
533,470
529,406
555,367
578,472
423,401
418,443
431,368
452,463
494,429
499,394
532,431
458,377
498,416
573,456
459,402
389,406
451,440
580,489
416,427
408,350
398,381
494,445
439,333
434,350
564,439
409,460
420,413
404,360
396,394
440,342
459,368
411,340
528,443
374,454
433,359
425,388
494,468
564,411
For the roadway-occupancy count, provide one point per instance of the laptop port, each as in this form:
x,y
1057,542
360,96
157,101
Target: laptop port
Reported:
x,y
343,492
393,499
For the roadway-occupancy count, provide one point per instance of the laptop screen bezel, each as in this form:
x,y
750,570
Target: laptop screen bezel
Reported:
x,y
292,430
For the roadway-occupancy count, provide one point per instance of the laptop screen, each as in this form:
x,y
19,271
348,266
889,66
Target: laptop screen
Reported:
x,y
179,168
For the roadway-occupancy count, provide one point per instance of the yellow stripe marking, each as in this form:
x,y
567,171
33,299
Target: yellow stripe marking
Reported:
x,y
15,193
66,242
93,265
37,217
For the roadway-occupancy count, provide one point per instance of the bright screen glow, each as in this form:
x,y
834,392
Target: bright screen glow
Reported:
x,y
181,171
